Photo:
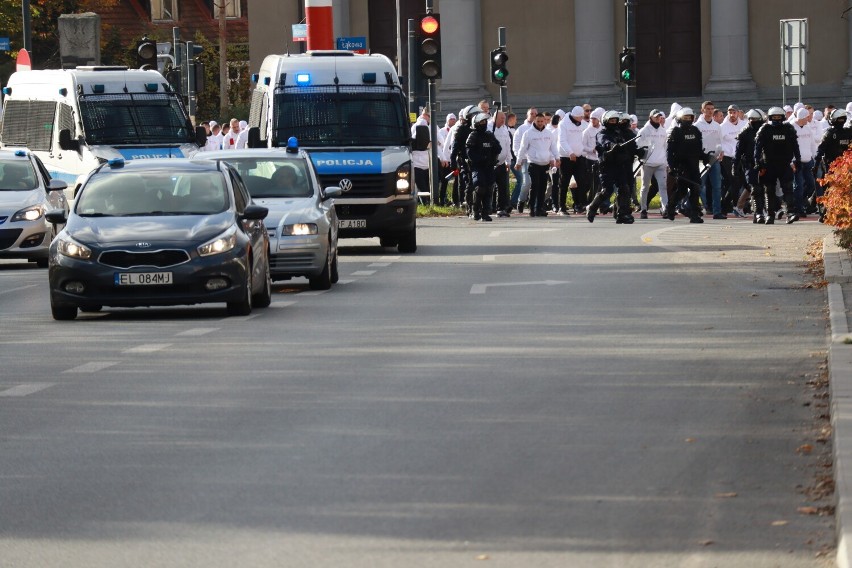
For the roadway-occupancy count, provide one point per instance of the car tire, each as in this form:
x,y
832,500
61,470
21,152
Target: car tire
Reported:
x,y
323,281
335,273
264,298
408,241
63,312
243,307
42,262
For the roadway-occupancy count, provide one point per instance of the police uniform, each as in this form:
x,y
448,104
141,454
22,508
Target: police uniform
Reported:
x,y
482,152
684,148
775,148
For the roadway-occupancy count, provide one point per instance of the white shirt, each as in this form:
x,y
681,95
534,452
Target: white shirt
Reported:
x,y
590,135
214,142
519,134
419,158
570,138
807,141
711,133
655,139
229,141
729,136
538,146
502,136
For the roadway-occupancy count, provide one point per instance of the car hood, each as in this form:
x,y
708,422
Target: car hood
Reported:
x,y
19,199
175,230
287,211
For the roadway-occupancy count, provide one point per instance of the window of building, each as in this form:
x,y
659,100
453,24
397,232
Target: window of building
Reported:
x,y
164,10
232,8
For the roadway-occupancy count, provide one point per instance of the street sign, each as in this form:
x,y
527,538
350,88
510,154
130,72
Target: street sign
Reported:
x,y
5,45
794,49
300,32
23,63
356,44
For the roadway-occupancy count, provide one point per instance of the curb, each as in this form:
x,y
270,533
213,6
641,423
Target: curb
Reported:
x,y
838,270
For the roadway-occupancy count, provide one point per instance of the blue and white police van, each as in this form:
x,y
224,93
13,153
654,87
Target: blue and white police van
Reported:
x,y
349,112
76,119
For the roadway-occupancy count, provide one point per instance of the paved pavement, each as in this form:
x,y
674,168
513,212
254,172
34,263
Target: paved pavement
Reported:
x,y
838,274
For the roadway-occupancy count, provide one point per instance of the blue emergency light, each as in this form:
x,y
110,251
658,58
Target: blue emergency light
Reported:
x,y
98,89
303,79
116,163
292,145
20,153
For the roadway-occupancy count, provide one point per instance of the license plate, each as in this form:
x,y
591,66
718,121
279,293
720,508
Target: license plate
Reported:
x,y
142,278
352,223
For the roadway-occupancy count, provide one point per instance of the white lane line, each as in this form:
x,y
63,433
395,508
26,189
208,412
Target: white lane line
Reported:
x,y
196,331
346,281
493,234
390,257
281,304
482,288
147,348
242,318
313,293
379,265
489,257
17,289
92,367
25,389
364,273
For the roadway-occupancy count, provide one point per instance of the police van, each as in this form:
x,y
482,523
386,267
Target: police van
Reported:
x,y
76,119
349,112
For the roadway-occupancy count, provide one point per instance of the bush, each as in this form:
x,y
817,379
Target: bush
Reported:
x,y
838,198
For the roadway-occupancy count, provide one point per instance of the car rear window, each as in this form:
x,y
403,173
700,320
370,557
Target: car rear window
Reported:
x,y
270,177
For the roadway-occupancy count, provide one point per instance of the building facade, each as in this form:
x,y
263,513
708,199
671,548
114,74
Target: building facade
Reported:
x,y
564,52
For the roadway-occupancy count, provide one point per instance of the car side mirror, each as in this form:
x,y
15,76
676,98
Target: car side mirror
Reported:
x,y
254,138
66,142
56,185
56,217
200,136
331,192
255,213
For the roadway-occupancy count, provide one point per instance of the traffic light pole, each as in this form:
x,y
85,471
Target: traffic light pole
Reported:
x,y
504,90
630,43
413,71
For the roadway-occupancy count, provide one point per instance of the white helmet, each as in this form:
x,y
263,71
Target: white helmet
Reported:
x,y
685,111
754,114
481,117
776,111
836,115
609,115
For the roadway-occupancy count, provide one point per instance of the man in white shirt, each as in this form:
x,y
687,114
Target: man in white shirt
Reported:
x,y
731,184
420,144
538,149
803,178
441,134
652,137
711,137
501,170
229,141
214,141
523,168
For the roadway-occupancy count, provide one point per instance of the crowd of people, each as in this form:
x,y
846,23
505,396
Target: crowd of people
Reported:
x,y
767,165
230,136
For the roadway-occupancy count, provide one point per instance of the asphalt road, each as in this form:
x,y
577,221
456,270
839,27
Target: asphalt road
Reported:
x,y
528,392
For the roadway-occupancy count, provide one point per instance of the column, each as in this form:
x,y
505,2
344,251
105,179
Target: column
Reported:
x,y
594,53
729,59
461,45
847,81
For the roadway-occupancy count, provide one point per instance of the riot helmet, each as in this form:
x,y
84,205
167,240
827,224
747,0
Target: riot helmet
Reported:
x,y
685,116
611,118
837,117
777,115
480,121
472,111
754,117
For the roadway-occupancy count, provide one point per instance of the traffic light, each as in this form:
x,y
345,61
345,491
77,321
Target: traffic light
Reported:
x,y
499,73
429,48
627,66
146,54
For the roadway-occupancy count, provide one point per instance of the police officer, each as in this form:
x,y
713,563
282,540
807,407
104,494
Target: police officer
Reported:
x,y
458,155
776,153
684,149
835,141
482,152
616,147
744,166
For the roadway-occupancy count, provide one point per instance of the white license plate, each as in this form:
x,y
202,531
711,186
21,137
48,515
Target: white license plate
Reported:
x,y
142,278
352,223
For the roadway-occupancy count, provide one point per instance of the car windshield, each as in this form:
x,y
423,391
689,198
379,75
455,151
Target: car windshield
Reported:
x,y
267,177
121,119
154,193
17,175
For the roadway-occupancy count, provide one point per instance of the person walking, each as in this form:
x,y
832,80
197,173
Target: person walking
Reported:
x,y
525,184
684,149
731,182
538,152
804,184
776,153
571,160
745,167
652,137
616,148
482,152
711,136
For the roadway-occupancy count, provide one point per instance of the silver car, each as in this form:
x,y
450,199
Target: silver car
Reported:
x,y
26,194
302,222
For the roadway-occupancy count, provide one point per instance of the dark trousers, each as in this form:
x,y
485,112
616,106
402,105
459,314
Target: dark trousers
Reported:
x,y
421,181
442,188
501,177
731,184
577,170
777,174
687,185
538,185
483,184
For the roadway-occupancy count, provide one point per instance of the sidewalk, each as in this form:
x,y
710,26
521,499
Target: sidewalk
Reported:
x,y
838,274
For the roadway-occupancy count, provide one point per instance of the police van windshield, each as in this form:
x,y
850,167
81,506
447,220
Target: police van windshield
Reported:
x,y
138,118
318,117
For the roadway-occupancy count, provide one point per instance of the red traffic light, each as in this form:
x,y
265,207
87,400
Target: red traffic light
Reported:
x,y
429,25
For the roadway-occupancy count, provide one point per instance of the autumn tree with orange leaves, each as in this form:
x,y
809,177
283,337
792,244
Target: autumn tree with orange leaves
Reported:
x,y
838,197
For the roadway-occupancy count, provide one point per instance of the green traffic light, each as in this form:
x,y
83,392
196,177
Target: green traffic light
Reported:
x,y
626,75
501,74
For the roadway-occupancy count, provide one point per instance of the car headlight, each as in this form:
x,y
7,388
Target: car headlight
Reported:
x,y
73,249
299,229
31,213
403,179
223,243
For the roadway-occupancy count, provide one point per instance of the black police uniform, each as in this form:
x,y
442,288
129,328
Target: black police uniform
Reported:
x,y
684,149
458,160
615,147
835,142
745,167
775,147
482,152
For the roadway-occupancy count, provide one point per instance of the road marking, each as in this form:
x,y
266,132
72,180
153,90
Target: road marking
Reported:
x,y
510,231
379,265
347,281
482,288
363,273
92,367
651,239
281,304
489,257
390,257
147,348
313,293
242,318
196,331
25,389
18,288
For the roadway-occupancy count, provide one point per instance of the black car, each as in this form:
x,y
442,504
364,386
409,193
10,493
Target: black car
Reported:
x,y
158,233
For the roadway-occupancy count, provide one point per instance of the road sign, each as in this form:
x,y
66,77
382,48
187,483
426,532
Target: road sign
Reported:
x,y
5,45
794,49
300,32
356,44
23,63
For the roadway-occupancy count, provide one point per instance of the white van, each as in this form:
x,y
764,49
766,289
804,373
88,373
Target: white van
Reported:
x,y
349,112
75,119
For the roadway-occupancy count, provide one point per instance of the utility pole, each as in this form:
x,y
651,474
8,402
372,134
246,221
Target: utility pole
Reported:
x,y
27,28
630,45
504,89
223,62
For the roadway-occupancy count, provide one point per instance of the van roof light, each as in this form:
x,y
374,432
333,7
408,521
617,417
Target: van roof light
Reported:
x,y
303,79
267,80
98,89
292,145
7,90
116,163
254,77
151,87
20,153
63,91
368,77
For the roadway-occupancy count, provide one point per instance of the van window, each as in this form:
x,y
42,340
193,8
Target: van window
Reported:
x,y
66,118
28,123
324,116
120,119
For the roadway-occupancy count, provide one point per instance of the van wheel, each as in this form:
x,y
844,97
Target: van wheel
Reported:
x,y
408,242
